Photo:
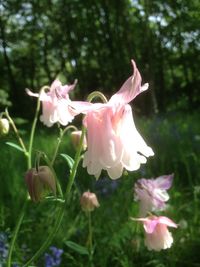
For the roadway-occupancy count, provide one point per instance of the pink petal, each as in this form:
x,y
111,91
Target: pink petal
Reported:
x,y
130,89
55,84
167,221
132,142
164,182
29,92
149,223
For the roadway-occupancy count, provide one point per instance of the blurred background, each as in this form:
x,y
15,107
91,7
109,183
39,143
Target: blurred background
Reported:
x,y
94,42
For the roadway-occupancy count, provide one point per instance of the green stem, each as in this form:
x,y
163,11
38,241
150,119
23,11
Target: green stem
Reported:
x,y
33,133
17,133
62,133
29,164
90,245
97,94
62,210
16,230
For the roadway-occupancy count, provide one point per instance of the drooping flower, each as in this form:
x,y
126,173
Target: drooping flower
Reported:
x,y
157,235
152,193
56,105
89,201
112,138
39,181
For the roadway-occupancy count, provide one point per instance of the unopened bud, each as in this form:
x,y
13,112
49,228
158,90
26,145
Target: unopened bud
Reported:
x,y
75,137
4,126
39,182
89,201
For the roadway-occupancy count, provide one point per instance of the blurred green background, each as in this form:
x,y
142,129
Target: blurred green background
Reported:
x,y
94,41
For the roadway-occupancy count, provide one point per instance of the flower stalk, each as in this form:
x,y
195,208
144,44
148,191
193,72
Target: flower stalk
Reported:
x,y
62,209
17,133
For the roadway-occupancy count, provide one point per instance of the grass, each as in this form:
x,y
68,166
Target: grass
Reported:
x,y
117,240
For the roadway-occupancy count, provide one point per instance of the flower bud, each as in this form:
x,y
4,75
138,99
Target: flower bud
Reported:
x,y
89,201
75,137
4,126
39,182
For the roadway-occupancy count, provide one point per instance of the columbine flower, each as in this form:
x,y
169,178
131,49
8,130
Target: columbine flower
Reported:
x,y
56,104
39,181
89,201
112,138
157,235
152,194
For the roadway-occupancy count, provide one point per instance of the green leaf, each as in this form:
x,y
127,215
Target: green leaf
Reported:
x,y
78,248
15,146
69,160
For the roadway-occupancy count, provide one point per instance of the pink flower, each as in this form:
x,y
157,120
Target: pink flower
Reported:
x,y
157,235
113,140
152,194
56,104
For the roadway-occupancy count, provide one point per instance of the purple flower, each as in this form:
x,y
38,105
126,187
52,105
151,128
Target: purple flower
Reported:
x,y
152,194
53,259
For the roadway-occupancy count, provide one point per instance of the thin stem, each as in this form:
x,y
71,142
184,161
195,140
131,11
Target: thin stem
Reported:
x,y
97,94
62,209
75,165
17,133
90,245
33,133
16,230
48,239
29,164
62,133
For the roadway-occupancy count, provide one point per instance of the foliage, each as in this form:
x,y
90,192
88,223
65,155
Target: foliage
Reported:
x,y
117,240
44,39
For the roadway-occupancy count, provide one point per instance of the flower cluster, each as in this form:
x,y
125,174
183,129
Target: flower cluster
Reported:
x,y
113,142
152,196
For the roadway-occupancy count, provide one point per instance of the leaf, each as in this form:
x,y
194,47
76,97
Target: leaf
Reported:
x,y
69,160
78,248
15,146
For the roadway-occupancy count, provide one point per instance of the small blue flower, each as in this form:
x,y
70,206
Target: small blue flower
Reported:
x,y
54,258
